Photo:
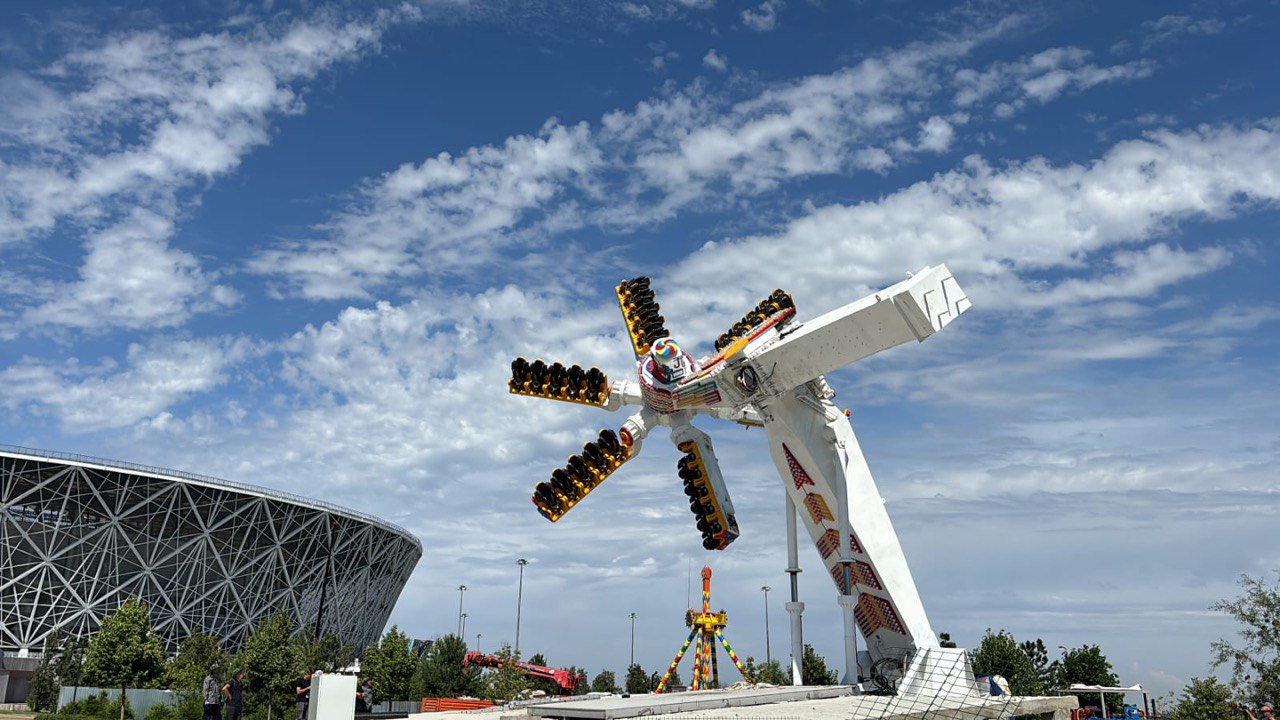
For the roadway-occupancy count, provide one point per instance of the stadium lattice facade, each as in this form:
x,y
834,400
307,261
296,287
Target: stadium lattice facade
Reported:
x,y
78,536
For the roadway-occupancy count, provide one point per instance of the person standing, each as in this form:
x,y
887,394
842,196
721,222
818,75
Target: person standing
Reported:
x,y
364,697
211,696
302,694
233,693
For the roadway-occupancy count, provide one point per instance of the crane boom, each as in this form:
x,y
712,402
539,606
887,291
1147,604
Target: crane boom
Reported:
x,y
565,681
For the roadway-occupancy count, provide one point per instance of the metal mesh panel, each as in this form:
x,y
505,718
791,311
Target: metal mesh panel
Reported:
x,y
933,687
78,539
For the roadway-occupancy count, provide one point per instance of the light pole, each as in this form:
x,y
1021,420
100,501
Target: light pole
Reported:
x,y
633,641
519,599
462,630
461,589
477,642
768,657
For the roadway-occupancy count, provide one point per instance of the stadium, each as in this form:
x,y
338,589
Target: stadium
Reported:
x,y
79,535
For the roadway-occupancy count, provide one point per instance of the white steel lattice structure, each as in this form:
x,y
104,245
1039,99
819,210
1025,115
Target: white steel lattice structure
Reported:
x,y
78,536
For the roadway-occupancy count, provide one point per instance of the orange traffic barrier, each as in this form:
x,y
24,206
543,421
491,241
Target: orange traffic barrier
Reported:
x,y
452,704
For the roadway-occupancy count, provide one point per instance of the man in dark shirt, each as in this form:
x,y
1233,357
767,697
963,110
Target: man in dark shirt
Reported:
x,y
364,696
302,694
233,691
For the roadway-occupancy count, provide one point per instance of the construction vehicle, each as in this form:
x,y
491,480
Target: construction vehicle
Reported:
x,y
565,681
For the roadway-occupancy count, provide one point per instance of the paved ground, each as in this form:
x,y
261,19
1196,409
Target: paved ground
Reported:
x,y
863,707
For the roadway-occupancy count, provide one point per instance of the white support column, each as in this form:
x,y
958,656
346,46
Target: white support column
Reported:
x,y
847,601
795,608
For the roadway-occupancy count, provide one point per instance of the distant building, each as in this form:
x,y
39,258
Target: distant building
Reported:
x,y
78,536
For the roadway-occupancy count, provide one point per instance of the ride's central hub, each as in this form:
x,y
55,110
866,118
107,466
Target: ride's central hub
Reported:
x,y
661,370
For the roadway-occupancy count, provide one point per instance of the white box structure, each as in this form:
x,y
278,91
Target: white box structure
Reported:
x,y
333,697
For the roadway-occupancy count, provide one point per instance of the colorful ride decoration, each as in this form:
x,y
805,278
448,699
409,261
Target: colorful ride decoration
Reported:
x,y
767,371
707,630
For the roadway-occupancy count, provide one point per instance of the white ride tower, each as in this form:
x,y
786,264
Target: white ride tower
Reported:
x,y
768,372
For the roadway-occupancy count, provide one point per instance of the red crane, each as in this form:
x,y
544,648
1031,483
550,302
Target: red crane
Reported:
x,y
566,681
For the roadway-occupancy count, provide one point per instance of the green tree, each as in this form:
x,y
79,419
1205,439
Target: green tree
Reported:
x,y
1206,699
944,640
43,695
605,682
813,668
125,652
70,662
771,672
1085,665
270,661
325,654
390,665
196,655
508,681
1255,661
1044,671
637,680
999,654
440,672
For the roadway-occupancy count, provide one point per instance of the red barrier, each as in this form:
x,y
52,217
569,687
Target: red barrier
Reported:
x,y
452,704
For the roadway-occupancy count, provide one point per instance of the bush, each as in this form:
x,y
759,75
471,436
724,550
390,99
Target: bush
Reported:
x,y
163,711
93,707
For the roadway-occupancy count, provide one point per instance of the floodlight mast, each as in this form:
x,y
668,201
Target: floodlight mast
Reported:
x,y
769,372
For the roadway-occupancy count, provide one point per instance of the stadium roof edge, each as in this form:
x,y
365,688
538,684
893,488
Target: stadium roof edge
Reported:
x,y
179,475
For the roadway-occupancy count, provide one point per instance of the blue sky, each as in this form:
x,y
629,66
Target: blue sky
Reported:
x,y
297,245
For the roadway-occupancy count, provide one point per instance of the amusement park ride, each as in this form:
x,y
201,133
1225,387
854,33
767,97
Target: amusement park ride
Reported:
x,y
708,629
767,372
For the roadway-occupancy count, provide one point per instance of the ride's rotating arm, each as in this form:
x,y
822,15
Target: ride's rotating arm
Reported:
x,y
571,383
704,487
913,309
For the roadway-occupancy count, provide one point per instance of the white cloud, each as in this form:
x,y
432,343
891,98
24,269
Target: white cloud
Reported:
x,y
109,143
992,226
1138,274
715,61
663,55
1169,27
764,17
131,278
151,380
651,10
688,148
1041,77
936,135
446,213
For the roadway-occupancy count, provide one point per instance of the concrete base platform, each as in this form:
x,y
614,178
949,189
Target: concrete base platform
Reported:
x,y
817,703
616,706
